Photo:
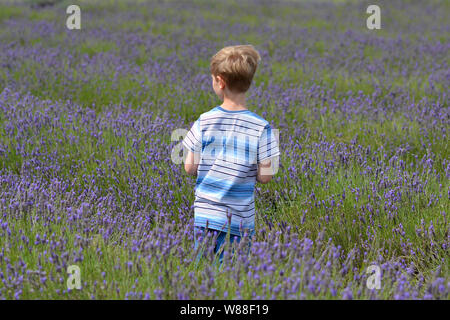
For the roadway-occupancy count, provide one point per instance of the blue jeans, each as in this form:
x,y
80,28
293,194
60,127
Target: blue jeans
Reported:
x,y
220,241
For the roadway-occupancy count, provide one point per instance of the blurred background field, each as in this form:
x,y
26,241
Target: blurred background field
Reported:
x,y
86,177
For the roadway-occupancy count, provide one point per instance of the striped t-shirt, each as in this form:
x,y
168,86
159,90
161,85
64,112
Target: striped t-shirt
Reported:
x,y
231,143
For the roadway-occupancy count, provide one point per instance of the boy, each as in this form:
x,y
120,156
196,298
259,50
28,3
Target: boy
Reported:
x,y
229,149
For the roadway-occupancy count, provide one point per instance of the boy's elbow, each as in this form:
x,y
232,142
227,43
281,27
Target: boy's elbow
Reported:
x,y
265,171
190,169
264,179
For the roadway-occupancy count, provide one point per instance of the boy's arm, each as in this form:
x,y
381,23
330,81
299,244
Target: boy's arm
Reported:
x,y
191,163
268,155
264,173
193,146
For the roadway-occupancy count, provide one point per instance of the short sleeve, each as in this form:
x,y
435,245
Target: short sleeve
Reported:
x,y
267,144
193,140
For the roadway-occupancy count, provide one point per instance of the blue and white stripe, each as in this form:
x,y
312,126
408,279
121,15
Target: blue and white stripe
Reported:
x,y
231,143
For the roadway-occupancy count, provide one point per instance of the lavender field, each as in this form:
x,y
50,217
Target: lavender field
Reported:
x,y
86,176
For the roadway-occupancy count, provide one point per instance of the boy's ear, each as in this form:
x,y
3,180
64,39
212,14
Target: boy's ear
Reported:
x,y
222,83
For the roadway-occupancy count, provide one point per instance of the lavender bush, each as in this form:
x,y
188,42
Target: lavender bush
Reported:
x,y
86,176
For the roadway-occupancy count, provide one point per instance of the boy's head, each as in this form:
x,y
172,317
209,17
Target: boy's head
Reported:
x,y
233,67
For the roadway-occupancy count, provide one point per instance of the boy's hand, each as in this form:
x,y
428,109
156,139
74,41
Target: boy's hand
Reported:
x,y
264,173
191,163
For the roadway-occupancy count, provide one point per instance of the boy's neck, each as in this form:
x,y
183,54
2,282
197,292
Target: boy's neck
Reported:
x,y
235,103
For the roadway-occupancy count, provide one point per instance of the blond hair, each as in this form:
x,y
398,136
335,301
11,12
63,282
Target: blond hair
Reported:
x,y
236,65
